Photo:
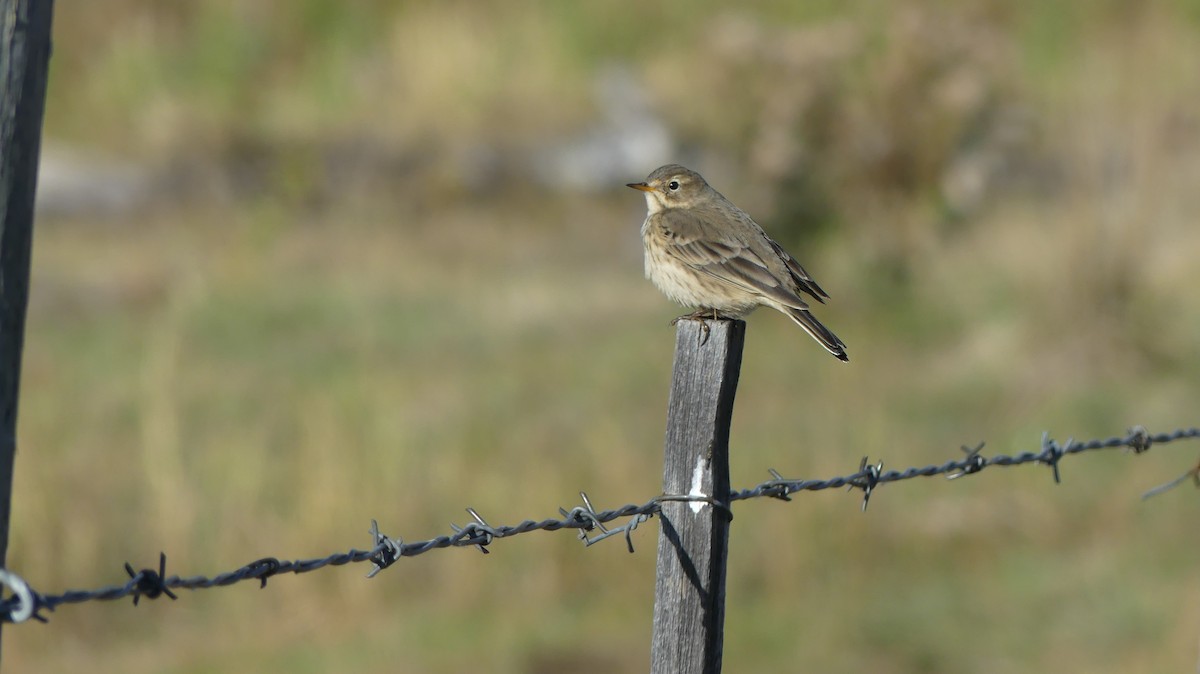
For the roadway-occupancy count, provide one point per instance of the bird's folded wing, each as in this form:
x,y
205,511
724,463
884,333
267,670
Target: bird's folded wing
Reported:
x,y
731,263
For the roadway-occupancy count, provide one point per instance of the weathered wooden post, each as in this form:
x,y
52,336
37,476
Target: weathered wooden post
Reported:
x,y
24,55
693,541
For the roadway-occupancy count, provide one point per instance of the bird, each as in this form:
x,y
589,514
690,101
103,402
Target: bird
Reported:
x,y
704,252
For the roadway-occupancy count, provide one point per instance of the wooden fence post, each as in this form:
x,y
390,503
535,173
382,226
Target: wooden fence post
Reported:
x,y
24,55
693,541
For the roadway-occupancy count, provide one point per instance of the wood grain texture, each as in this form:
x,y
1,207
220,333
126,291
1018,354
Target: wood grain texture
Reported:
x,y
689,601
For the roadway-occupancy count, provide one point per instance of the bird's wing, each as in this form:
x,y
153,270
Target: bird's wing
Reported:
x,y
722,256
801,277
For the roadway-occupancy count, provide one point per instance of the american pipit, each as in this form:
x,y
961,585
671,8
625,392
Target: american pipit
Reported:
x,y
704,252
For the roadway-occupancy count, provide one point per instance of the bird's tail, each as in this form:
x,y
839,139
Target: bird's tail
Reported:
x,y
819,332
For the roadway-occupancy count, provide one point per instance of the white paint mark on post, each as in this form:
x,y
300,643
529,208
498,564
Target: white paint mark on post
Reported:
x,y
697,485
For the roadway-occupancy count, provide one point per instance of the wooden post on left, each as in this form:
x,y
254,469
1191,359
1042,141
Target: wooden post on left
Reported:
x,y
24,58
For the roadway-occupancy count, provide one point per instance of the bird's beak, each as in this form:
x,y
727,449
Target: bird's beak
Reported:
x,y
640,186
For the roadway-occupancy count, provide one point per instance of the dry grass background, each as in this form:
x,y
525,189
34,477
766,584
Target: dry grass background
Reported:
x,y
326,311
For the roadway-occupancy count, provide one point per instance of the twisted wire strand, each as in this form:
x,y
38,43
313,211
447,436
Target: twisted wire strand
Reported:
x,y
25,603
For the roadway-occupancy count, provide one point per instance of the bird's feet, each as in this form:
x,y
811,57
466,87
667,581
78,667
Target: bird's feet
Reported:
x,y
703,316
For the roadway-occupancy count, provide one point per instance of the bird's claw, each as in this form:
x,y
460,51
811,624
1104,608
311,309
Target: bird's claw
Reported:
x,y
703,316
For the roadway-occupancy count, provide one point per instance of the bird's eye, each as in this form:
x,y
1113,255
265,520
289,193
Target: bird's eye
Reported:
x,y
673,185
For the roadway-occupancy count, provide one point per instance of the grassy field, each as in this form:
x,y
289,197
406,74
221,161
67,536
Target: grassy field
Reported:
x,y
280,348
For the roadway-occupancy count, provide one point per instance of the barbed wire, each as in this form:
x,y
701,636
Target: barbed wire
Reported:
x,y
26,603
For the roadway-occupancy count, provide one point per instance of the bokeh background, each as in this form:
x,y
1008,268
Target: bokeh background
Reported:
x,y
300,264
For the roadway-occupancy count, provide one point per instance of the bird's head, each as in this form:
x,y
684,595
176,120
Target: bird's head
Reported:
x,y
673,186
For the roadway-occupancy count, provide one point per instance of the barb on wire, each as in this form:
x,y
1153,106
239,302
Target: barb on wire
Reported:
x,y
479,533
148,582
24,603
1140,439
973,463
1051,453
389,549
866,479
778,487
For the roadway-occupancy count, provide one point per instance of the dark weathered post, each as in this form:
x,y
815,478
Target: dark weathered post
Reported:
x,y
689,597
24,55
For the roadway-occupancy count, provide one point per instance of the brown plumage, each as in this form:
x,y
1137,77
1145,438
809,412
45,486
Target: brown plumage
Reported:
x,y
704,252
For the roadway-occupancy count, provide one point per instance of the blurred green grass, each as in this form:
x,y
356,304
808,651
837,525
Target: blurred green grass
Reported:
x,y
227,379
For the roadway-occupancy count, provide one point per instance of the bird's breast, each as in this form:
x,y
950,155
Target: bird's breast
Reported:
x,y
686,285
